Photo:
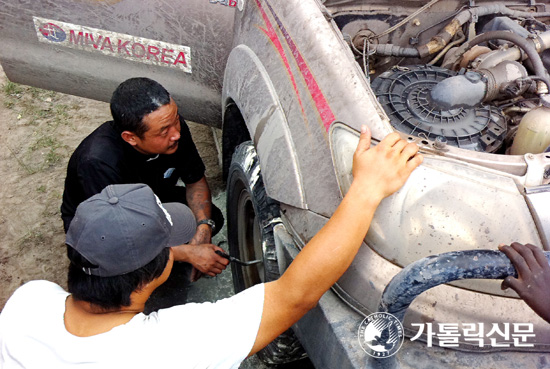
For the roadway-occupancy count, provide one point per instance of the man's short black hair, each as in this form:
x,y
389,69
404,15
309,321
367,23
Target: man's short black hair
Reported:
x,y
110,292
135,98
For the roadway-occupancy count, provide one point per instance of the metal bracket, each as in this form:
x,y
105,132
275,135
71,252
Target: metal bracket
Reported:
x,y
537,199
537,165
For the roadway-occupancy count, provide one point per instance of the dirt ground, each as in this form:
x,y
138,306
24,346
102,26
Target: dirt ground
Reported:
x,y
40,130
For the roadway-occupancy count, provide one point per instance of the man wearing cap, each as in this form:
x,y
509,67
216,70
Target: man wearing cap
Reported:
x,y
147,142
100,322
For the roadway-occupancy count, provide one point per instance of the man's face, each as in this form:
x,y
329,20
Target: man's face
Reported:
x,y
163,131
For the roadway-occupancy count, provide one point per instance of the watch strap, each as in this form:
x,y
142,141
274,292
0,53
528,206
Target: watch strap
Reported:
x,y
210,222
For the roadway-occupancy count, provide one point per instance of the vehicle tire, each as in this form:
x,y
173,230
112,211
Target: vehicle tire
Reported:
x,y
251,215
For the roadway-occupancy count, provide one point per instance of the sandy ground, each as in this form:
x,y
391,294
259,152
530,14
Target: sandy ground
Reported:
x,y
39,131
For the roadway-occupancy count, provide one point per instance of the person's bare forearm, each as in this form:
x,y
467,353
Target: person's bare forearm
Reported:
x,y
329,254
378,172
199,199
322,261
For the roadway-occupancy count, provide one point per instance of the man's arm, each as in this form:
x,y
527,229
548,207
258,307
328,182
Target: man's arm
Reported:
x,y
203,256
200,202
378,172
533,281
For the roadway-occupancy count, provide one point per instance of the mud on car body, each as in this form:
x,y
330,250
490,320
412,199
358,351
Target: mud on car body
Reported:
x,y
289,83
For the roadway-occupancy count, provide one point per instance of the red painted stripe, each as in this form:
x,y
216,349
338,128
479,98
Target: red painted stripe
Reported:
x,y
272,35
325,112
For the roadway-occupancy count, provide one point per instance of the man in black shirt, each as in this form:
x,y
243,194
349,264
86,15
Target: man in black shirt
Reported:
x,y
148,142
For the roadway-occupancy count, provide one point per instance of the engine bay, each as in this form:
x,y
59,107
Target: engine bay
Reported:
x,y
473,75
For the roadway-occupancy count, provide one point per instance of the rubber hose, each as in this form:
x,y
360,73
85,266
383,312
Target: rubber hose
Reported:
x,y
435,270
520,42
394,50
440,40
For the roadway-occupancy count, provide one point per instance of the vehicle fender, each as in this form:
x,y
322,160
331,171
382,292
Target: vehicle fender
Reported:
x,y
248,85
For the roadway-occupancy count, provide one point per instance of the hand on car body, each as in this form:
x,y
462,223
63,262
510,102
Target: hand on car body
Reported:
x,y
378,172
533,281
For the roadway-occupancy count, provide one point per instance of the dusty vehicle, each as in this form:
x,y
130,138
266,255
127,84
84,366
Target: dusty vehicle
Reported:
x,y
290,82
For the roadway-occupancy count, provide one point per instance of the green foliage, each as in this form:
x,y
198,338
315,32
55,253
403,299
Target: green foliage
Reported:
x,y
12,89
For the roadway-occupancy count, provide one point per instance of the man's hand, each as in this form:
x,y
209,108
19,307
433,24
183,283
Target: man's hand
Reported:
x,y
203,258
533,281
383,169
203,235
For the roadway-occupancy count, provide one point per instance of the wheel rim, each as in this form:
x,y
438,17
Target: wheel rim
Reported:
x,y
250,240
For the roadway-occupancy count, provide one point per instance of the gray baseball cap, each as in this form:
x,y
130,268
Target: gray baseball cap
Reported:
x,y
125,227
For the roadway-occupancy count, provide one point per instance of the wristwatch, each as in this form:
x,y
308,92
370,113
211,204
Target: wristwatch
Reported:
x,y
210,222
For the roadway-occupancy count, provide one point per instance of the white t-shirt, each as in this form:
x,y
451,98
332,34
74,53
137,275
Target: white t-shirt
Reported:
x,y
207,335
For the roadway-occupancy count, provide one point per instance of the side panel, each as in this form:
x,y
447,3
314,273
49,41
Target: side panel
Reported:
x,y
316,82
87,48
248,84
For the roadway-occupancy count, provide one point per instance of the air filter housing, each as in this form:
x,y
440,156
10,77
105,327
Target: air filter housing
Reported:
x,y
404,93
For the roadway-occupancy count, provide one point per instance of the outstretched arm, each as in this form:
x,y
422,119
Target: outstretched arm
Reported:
x,y
533,281
378,172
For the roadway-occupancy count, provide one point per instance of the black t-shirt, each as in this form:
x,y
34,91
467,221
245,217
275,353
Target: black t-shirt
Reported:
x,y
104,158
